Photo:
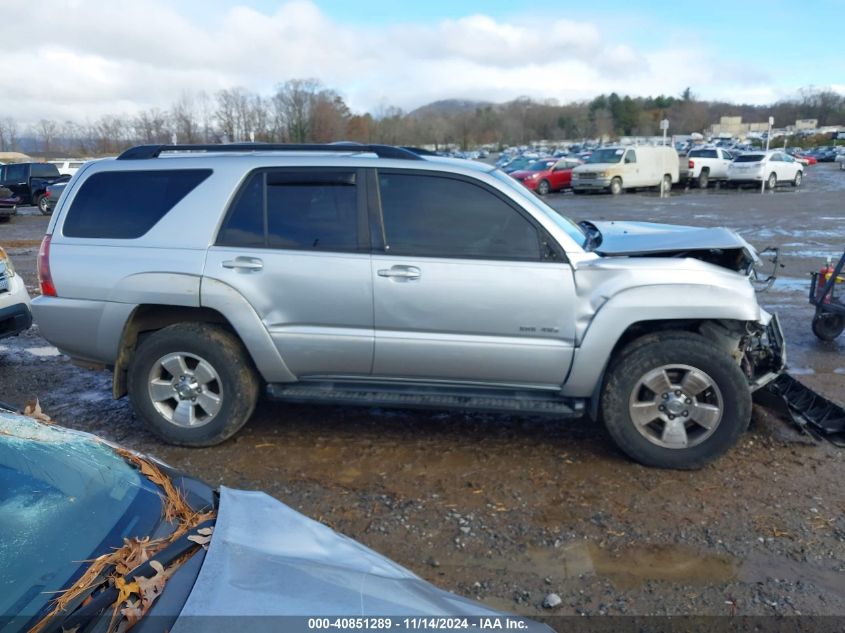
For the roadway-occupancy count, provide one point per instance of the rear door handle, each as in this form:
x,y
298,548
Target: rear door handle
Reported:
x,y
244,264
401,272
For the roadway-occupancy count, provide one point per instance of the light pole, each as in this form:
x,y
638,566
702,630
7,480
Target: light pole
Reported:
x,y
768,138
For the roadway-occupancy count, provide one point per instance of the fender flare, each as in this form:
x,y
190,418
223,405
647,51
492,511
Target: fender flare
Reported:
x,y
643,304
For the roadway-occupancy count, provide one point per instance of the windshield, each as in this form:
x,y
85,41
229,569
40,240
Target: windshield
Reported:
x,y
607,155
64,499
572,229
540,165
749,158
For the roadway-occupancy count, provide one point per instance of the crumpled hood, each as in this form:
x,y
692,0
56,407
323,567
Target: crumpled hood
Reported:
x,y
643,238
266,559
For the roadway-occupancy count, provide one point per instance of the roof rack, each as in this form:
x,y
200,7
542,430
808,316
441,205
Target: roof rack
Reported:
x,y
143,152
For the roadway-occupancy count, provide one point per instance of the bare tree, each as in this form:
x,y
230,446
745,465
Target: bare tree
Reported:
x,y
293,104
8,134
46,131
185,120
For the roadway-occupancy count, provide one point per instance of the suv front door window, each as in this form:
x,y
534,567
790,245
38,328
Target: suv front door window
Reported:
x,y
457,288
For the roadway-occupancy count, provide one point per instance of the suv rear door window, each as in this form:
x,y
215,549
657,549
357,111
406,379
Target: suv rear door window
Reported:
x,y
446,217
127,204
295,209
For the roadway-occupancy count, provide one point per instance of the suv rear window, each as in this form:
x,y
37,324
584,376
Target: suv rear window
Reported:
x,y
127,204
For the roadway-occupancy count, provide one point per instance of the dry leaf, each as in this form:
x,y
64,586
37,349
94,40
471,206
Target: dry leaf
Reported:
x,y
33,410
151,588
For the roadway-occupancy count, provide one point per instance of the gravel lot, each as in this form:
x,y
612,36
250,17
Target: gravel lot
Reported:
x,y
508,510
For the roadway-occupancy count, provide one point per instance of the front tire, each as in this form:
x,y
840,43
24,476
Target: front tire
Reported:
x,y
193,384
543,187
616,186
41,203
675,401
799,176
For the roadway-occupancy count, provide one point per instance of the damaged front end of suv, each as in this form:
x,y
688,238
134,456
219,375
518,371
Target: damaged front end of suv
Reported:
x,y
703,265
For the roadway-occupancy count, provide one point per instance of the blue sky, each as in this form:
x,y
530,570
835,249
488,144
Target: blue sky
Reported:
x,y
122,57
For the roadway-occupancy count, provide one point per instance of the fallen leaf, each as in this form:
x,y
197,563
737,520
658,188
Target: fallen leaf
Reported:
x,y
33,410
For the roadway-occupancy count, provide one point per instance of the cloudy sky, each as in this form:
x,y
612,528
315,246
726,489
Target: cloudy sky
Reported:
x,y
79,59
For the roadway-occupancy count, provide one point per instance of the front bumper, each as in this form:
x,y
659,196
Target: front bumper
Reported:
x,y
765,357
590,183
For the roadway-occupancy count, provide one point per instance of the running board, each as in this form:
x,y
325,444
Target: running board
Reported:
x,y
812,413
412,397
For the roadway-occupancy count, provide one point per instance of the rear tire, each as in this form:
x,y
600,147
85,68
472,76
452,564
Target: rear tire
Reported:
x,y
772,181
703,179
616,186
697,385
827,326
193,384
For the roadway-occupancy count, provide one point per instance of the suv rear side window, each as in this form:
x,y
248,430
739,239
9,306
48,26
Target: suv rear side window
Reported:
x,y
127,204
295,209
446,217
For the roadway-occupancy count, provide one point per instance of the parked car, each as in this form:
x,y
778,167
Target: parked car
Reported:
x,y
53,194
8,204
28,181
823,154
556,176
429,283
540,165
15,316
772,167
89,512
520,162
615,169
841,160
708,164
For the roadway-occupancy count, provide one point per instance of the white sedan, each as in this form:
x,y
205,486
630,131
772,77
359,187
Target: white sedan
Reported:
x,y
15,316
772,167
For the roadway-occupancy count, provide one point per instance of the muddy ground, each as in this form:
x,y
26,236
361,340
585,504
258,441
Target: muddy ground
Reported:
x,y
507,509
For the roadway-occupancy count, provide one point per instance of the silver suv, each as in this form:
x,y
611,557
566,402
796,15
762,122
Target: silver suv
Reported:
x,y
376,275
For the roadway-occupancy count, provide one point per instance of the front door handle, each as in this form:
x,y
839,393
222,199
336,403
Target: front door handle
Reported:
x,y
244,264
401,272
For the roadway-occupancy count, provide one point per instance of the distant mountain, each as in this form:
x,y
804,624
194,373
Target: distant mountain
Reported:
x,y
448,107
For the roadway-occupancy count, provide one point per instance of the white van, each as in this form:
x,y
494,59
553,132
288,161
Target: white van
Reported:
x,y
619,168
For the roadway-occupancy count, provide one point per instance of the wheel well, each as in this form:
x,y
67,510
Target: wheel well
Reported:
x,y
705,170
148,318
638,330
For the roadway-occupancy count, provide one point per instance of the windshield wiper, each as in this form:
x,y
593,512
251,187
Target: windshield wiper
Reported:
x,y
79,616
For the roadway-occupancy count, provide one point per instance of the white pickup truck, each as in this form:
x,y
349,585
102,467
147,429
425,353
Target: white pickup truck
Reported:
x,y
708,163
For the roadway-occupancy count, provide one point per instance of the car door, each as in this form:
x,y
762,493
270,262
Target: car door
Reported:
x,y
295,244
466,286
632,177
561,176
16,180
790,167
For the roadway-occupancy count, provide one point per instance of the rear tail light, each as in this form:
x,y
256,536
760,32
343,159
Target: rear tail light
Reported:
x,y
44,276
691,164
47,194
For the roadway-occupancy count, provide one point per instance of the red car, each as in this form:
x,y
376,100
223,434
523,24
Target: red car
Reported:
x,y
538,165
555,176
